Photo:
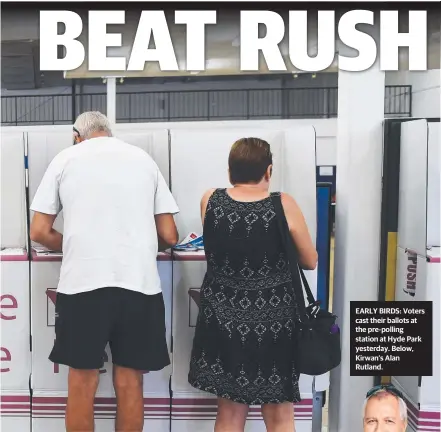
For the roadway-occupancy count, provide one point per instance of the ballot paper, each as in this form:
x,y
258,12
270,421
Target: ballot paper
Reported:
x,y
193,242
41,251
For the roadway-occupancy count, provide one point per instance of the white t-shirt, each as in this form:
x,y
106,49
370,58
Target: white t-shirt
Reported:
x,y
110,192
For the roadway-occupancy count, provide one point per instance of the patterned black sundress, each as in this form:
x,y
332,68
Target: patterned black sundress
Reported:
x,y
242,348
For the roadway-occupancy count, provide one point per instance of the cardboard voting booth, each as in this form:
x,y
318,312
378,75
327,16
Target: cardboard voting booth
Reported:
x,y
191,161
418,271
15,360
294,172
49,381
15,356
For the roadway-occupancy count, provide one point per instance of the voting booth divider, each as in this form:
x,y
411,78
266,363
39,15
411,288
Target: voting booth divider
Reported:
x,y
15,367
15,359
418,268
191,161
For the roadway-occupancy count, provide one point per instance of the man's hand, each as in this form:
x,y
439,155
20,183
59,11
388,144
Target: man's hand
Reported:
x,y
162,245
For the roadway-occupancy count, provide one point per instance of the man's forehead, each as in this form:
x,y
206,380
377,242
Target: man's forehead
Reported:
x,y
386,405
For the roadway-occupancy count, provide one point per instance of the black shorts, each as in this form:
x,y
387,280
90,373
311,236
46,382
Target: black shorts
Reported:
x,y
131,322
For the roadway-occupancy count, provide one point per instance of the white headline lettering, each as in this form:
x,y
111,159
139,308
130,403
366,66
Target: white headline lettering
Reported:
x,y
153,26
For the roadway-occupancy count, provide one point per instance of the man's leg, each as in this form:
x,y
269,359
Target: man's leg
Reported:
x,y
129,399
138,345
82,329
81,394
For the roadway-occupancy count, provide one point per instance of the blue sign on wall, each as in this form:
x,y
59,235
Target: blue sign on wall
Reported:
x,y
327,174
324,223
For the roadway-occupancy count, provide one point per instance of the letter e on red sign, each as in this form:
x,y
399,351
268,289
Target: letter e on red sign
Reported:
x,y
6,357
7,301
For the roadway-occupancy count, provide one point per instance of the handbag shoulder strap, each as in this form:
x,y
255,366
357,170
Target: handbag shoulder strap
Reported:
x,y
291,252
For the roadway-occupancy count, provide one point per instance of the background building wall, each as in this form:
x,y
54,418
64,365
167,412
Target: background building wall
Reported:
x,y
194,99
425,90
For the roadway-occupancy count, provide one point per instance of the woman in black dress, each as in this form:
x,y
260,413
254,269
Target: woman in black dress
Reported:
x,y
242,349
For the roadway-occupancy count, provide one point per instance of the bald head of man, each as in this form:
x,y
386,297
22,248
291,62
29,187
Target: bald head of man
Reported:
x,y
384,412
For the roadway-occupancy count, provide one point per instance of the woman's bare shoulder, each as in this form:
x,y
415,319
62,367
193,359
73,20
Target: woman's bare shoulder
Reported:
x,y
288,201
207,194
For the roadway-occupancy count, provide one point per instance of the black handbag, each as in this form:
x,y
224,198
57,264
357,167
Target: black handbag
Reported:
x,y
317,336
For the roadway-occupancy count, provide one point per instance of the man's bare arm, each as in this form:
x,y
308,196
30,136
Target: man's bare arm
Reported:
x,y
166,230
42,232
162,245
306,250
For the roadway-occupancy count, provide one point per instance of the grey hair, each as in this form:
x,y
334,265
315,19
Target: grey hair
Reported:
x,y
401,404
91,122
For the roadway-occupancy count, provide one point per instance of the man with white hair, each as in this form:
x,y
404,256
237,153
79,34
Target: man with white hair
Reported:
x,y
384,410
117,208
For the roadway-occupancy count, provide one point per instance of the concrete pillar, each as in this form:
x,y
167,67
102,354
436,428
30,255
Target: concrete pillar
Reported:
x,y
357,242
111,99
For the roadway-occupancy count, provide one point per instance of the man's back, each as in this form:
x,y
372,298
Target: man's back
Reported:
x,y
109,192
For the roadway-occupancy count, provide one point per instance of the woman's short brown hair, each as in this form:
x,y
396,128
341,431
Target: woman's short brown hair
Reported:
x,y
249,160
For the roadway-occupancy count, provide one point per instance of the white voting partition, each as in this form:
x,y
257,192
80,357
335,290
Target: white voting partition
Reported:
x,y
294,172
15,360
418,279
433,186
199,161
412,219
418,256
154,142
49,382
44,146
299,177
326,130
13,204
14,316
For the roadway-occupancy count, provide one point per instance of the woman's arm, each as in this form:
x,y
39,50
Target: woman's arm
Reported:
x,y
204,203
299,233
